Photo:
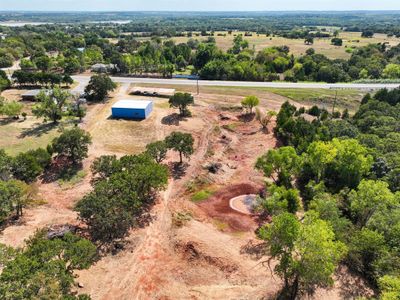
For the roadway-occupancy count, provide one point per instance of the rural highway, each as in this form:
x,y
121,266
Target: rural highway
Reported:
x,y
84,79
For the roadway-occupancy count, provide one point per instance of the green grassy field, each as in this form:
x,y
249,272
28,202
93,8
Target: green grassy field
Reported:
x,y
20,136
349,99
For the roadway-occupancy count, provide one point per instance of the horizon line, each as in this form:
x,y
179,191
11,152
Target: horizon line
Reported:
x,y
192,11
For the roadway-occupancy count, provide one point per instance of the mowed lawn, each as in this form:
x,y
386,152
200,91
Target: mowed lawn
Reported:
x,y
20,136
297,46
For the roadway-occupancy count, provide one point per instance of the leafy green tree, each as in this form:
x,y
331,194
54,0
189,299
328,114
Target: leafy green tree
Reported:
x,y
309,40
337,41
118,200
371,197
264,119
249,103
307,252
26,167
367,250
281,200
73,144
389,287
319,156
104,166
181,101
391,71
327,207
182,143
281,236
52,104
11,109
14,195
157,150
281,164
5,165
4,81
44,268
351,164
98,88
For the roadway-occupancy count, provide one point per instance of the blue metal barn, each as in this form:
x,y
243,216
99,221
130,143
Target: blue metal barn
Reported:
x,y
132,109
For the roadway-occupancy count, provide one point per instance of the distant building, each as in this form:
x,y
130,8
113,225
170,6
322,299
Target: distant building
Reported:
x,y
132,109
103,68
30,95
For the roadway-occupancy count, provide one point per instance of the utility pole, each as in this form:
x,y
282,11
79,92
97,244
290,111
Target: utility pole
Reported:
x,y
198,89
334,102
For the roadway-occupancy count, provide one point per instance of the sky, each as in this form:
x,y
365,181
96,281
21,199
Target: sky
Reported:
x,y
196,5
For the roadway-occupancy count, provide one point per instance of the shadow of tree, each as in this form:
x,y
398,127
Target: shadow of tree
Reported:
x,y
62,169
349,280
177,170
173,119
247,117
7,121
255,249
38,130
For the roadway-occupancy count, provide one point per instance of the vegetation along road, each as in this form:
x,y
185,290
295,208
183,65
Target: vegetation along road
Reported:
x,y
82,79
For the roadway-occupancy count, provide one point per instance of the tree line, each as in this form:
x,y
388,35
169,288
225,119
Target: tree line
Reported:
x,y
344,173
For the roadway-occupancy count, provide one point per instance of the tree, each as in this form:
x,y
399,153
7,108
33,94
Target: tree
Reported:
x,y
73,144
181,101
182,143
157,150
319,155
367,33
367,249
281,236
14,195
43,63
307,252
249,103
264,119
337,41
26,167
52,104
44,269
389,287
104,166
122,191
281,164
327,207
371,197
4,81
391,71
98,88
11,109
5,165
309,40
281,200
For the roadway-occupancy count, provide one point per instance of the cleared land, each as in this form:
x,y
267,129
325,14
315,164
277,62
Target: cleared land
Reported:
x,y
214,253
274,97
297,46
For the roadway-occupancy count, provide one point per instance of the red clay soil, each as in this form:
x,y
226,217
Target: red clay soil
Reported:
x,y
218,207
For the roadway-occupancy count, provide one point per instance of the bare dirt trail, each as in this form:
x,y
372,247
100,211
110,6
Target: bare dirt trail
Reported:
x,y
142,272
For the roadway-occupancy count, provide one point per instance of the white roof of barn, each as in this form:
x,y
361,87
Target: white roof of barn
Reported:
x,y
132,104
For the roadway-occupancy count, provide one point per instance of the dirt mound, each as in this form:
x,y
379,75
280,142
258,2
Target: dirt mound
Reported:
x,y
191,251
218,207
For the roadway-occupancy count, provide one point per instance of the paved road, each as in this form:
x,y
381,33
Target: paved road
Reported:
x,y
84,79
